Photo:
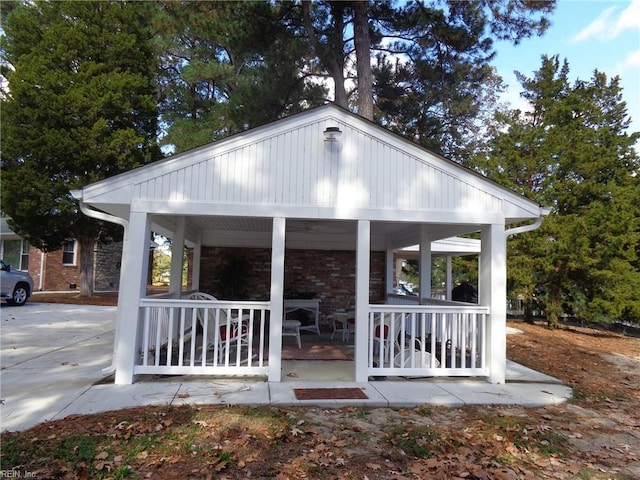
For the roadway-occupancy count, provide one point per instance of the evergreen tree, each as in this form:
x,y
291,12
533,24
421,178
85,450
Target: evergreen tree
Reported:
x,y
572,152
79,106
430,72
421,70
226,67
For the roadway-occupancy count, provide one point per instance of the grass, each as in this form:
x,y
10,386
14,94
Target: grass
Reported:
x,y
420,442
523,434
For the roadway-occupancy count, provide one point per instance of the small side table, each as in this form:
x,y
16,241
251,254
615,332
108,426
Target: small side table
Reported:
x,y
291,328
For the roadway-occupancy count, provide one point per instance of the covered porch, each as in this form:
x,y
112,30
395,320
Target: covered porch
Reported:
x,y
285,188
395,335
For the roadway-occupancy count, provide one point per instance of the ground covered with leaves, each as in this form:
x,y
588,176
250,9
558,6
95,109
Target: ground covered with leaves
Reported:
x,y
594,436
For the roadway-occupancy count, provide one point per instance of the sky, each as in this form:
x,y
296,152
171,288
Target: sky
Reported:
x,y
590,34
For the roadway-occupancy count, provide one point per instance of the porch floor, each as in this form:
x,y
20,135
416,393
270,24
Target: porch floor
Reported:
x,y
52,356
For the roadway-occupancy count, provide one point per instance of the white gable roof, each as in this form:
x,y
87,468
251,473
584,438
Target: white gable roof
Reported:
x,y
288,166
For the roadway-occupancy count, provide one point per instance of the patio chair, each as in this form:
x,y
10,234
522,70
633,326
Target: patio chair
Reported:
x,y
414,358
383,331
291,328
231,331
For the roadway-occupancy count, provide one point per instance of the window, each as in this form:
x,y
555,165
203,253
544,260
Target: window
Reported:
x,y
15,253
24,258
69,252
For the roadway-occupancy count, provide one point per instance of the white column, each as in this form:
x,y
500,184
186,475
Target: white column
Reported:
x,y
449,281
133,286
493,292
277,299
425,263
363,256
119,316
389,271
197,256
177,254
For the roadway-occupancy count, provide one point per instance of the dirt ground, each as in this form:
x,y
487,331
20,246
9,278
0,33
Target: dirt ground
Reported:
x,y
596,435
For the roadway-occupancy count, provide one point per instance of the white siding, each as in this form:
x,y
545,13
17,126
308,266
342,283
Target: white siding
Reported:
x,y
298,168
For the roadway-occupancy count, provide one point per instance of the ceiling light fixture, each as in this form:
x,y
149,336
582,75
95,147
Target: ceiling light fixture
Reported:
x,y
332,133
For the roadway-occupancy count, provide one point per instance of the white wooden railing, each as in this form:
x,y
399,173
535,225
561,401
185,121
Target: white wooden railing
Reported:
x,y
184,337
440,339
188,337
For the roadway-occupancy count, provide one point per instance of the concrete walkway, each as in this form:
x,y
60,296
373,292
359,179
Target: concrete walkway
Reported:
x,y
52,356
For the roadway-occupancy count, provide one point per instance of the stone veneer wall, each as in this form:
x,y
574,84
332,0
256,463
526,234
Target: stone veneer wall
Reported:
x,y
330,275
107,264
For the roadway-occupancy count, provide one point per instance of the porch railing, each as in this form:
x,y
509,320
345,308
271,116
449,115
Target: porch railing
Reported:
x,y
201,337
445,339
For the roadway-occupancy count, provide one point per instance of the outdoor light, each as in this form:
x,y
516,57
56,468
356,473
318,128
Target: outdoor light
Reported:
x,y
332,133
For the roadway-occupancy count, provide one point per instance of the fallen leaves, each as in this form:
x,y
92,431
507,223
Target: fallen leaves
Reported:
x,y
594,436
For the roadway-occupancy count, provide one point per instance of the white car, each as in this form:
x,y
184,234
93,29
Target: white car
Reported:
x,y
16,286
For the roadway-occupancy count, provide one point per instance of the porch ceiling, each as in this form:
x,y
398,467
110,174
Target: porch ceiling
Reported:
x,y
305,233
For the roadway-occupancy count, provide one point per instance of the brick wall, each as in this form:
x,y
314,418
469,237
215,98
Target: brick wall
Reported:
x,y
329,275
58,276
35,262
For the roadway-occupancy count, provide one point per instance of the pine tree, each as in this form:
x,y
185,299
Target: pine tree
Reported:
x,y
421,70
226,67
79,107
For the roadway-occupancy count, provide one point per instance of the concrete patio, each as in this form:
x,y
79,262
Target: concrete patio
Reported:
x,y
52,357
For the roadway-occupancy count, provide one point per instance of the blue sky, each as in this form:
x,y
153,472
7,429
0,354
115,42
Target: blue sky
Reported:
x,y
590,34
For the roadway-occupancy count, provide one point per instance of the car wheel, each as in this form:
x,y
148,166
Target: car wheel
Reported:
x,y
20,295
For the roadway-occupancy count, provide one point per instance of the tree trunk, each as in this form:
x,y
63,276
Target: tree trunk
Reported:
x,y
363,60
86,245
331,54
553,310
528,312
335,54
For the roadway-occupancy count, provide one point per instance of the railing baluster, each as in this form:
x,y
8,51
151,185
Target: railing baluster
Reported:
x,y
194,332
158,319
181,337
262,336
145,338
205,339
170,337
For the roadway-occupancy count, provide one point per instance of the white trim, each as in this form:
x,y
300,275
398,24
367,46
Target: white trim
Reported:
x,y
177,255
169,207
277,299
195,272
425,262
363,258
132,288
493,292
74,262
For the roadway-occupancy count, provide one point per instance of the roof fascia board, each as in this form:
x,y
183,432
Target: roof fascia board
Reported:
x,y
171,207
